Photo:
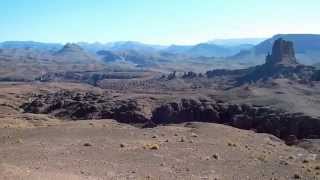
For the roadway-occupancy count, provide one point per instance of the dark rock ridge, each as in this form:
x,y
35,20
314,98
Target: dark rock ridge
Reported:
x,y
90,77
191,75
78,106
86,105
258,118
226,72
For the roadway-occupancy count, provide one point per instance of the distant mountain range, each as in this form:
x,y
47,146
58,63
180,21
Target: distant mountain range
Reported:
x,y
237,41
245,52
199,50
30,45
207,50
121,46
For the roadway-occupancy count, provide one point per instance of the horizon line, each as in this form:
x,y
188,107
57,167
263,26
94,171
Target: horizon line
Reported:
x,y
149,43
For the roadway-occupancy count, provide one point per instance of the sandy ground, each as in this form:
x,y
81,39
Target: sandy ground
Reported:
x,y
105,149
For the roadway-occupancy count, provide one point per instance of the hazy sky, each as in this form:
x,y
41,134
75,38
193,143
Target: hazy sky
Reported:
x,y
154,21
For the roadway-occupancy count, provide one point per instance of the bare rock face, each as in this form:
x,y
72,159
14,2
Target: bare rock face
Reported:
x,y
82,106
282,63
87,105
258,118
282,53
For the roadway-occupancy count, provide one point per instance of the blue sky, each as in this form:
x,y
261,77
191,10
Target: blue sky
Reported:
x,y
154,21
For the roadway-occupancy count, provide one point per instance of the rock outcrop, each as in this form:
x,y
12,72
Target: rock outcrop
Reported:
x,y
282,54
282,63
258,118
90,77
88,105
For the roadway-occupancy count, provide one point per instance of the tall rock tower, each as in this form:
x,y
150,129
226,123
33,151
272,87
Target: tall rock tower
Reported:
x,y
281,64
282,54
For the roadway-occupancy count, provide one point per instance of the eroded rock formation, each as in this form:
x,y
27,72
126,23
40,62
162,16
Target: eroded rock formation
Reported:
x,y
81,106
282,54
78,106
282,63
243,116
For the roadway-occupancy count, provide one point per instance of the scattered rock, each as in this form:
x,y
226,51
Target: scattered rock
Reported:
x,y
215,156
285,163
194,135
152,146
232,144
291,157
262,158
19,141
87,144
296,176
182,139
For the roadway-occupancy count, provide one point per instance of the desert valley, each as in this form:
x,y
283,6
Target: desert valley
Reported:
x,y
129,110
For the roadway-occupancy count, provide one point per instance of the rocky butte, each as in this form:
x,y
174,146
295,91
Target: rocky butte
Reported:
x,y
282,54
282,63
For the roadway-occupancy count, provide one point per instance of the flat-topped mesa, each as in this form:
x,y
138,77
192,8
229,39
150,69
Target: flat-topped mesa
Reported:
x,y
282,54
